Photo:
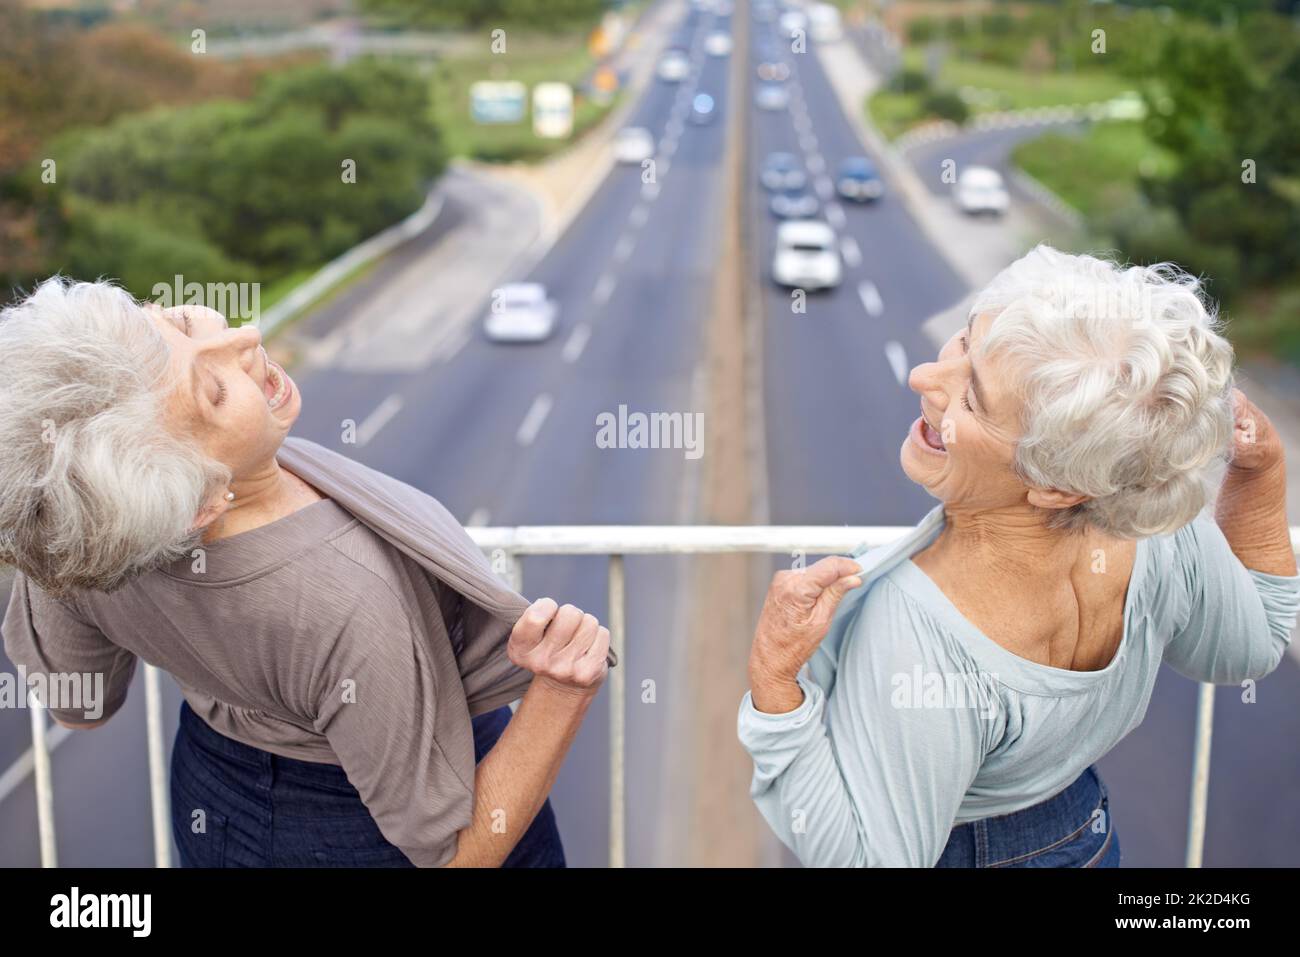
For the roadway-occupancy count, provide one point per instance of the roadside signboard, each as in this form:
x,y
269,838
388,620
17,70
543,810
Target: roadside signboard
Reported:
x,y
553,110
498,101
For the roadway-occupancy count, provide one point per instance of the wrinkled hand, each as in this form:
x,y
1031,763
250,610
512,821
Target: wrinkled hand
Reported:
x,y
1255,443
796,616
562,646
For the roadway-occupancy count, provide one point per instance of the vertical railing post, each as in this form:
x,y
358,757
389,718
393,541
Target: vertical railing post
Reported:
x,y
44,785
159,798
1200,775
617,694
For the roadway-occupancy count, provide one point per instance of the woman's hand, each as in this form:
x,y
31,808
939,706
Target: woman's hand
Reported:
x,y
562,646
795,618
1255,443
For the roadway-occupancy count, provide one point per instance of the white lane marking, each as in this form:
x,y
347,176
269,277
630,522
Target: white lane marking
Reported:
x,y
638,216
532,423
668,146
623,248
870,297
802,125
478,518
808,143
662,168
674,128
816,164
376,420
576,343
897,357
825,189
604,289
835,215
649,190
850,251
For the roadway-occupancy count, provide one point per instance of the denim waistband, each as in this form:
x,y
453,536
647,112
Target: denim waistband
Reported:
x,y
204,736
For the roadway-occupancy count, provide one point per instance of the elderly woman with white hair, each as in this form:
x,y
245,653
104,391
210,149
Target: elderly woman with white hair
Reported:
x,y
345,652
940,701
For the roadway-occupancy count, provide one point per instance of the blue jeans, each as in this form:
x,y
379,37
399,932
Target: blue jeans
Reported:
x,y
263,810
1073,829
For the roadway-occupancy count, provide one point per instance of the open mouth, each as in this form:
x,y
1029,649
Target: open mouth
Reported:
x,y
277,386
927,437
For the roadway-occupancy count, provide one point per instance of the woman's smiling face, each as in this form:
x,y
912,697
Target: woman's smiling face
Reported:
x,y
226,392
962,446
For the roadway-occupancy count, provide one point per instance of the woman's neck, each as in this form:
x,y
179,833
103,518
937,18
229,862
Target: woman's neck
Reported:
x,y
261,497
1013,541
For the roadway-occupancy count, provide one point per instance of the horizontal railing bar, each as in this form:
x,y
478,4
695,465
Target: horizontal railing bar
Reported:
x,y
680,539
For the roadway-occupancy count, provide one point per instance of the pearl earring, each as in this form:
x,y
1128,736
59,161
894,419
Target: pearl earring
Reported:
x,y
230,496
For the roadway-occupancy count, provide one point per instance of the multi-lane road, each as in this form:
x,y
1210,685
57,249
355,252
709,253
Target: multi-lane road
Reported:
x,y
505,435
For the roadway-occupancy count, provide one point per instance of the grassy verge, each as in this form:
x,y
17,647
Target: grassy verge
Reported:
x,y
985,88
531,59
1096,171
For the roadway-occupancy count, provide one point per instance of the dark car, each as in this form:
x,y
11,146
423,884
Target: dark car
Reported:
x,y
794,204
782,171
859,181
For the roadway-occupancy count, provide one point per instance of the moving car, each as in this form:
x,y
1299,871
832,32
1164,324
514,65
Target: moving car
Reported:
x,y
717,43
674,66
793,22
782,171
633,144
824,23
702,108
771,96
806,256
773,71
794,204
980,189
857,180
521,312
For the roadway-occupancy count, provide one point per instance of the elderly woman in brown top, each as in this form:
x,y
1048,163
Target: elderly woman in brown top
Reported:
x,y
331,645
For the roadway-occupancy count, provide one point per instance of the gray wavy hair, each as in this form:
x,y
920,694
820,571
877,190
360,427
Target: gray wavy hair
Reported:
x,y
93,488
1126,386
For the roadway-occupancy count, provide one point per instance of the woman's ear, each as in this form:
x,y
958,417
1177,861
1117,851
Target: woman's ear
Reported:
x,y
212,510
1055,498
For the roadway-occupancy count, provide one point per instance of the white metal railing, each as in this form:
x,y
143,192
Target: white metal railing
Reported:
x,y
616,542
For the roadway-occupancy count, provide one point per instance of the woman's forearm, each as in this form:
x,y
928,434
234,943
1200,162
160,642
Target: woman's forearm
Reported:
x,y
1251,511
514,778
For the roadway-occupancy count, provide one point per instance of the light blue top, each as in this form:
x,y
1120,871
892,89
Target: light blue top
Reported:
x,y
914,720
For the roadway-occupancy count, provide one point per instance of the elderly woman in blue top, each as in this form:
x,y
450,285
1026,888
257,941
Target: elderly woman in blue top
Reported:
x,y
968,676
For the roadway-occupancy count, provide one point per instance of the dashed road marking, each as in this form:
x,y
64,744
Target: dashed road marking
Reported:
x,y
376,420
604,289
870,297
577,342
850,251
532,423
896,355
835,215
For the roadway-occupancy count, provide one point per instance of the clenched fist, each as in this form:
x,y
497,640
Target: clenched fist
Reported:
x,y
1255,443
795,618
562,646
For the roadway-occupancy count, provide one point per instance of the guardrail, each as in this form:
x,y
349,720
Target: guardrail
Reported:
x,y
616,542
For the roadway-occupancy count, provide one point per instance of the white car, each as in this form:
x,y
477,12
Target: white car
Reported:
x,y
981,190
792,22
674,66
806,255
521,312
771,97
717,43
633,144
